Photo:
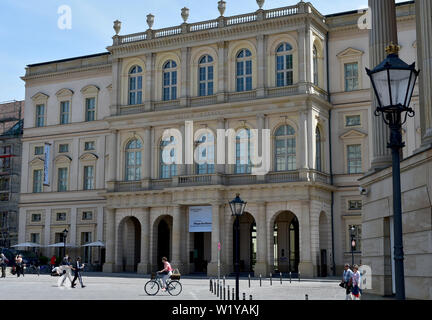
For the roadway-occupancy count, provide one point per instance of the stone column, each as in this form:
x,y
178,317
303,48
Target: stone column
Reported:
x,y
424,56
222,71
176,238
383,32
144,265
47,230
261,61
112,148
220,168
148,97
302,55
305,265
110,240
185,78
261,266
227,245
303,140
72,236
147,158
115,87
212,268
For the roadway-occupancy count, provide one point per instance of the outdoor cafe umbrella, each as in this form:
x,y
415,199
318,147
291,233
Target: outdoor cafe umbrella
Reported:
x,y
61,245
27,245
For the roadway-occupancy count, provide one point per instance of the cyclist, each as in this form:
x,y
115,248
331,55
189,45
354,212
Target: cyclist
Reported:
x,y
166,272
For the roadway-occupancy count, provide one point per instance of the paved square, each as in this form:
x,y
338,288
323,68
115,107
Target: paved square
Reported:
x,y
131,287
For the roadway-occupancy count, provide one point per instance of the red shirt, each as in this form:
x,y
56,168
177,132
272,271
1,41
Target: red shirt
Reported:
x,y
167,266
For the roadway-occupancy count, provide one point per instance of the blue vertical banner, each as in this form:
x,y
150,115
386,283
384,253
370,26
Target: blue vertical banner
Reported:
x,y
47,153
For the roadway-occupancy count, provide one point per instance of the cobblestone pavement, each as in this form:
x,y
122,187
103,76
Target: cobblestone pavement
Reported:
x,y
131,287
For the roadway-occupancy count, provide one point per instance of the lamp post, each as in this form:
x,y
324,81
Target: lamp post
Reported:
x,y
65,233
393,82
237,208
353,243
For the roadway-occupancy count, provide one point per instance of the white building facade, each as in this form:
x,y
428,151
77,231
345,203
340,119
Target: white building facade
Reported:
x,y
289,70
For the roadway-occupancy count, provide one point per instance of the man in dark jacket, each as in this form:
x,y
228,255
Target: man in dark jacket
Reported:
x,y
3,264
77,268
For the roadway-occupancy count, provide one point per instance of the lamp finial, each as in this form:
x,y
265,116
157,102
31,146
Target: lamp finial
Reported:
x,y
392,48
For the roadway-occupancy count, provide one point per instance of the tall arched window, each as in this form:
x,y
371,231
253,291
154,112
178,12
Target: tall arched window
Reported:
x,y
168,167
243,152
170,80
205,153
284,65
244,70
133,160
315,66
206,70
285,149
318,151
135,85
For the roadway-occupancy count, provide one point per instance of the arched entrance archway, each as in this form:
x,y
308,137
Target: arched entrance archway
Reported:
x,y
286,246
129,253
162,230
248,246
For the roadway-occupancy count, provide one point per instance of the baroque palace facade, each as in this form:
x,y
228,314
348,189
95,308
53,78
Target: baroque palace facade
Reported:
x,y
290,70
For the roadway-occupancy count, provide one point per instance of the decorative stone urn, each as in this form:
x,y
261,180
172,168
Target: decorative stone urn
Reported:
x,y
260,3
185,14
117,27
150,20
222,7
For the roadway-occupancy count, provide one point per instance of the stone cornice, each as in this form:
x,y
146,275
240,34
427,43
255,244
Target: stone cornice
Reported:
x,y
68,72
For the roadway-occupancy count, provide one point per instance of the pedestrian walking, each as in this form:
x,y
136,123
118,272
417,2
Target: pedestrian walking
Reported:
x,y
19,265
77,268
346,281
3,263
53,262
355,279
66,266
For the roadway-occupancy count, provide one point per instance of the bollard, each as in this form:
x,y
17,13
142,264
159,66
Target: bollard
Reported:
x,y
281,277
250,297
271,283
244,296
249,280
211,285
221,292
224,296
224,281
299,276
306,297
228,293
233,294
260,280
290,276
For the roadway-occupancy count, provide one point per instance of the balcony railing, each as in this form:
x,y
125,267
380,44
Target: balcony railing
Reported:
x,y
217,23
224,180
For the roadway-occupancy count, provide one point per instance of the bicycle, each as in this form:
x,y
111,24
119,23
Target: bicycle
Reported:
x,y
152,287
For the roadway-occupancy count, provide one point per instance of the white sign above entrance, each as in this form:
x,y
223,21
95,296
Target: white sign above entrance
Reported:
x,y
200,219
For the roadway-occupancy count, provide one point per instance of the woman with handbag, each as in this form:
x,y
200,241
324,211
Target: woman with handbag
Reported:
x,y
355,291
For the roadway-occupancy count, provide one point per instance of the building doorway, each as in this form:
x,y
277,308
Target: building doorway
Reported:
x,y
201,253
130,244
248,246
286,246
163,242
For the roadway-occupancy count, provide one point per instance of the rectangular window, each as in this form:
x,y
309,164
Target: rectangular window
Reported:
x,y
354,205
88,178
38,151
353,121
63,148
6,150
4,196
351,76
35,237
36,217
4,184
354,159
4,164
64,112
40,115
89,145
62,179
87,215
37,181
86,237
90,109
61,216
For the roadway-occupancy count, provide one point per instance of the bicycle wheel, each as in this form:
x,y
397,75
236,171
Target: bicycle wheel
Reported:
x,y
174,288
151,288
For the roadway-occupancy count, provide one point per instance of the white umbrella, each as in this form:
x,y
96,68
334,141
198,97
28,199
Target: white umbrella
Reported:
x,y
95,244
27,244
62,245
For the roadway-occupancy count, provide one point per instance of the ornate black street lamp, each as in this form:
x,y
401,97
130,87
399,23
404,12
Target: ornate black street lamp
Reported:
x,y
393,82
237,208
353,243
65,233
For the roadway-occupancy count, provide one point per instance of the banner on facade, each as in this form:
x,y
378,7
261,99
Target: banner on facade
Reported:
x,y
47,151
200,219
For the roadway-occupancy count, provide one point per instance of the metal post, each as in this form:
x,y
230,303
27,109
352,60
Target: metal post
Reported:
x,y
249,279
281,277
271,279
211,285
228,293
217,290
224,281
306,297
224,296
233,294
237,262
299,276
250,297
290,276
221,291
352,250
244,296
260,280
396,144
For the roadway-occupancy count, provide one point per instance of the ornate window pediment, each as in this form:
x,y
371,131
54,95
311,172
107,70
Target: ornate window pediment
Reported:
x,y
350,52
64,93
63,159
40,97
37,162
90,89
89,157
353,134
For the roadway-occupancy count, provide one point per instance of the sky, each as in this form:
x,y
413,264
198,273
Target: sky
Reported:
x,y
30,32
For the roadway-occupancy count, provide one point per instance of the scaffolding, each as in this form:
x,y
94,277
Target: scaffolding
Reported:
x,y
11,128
